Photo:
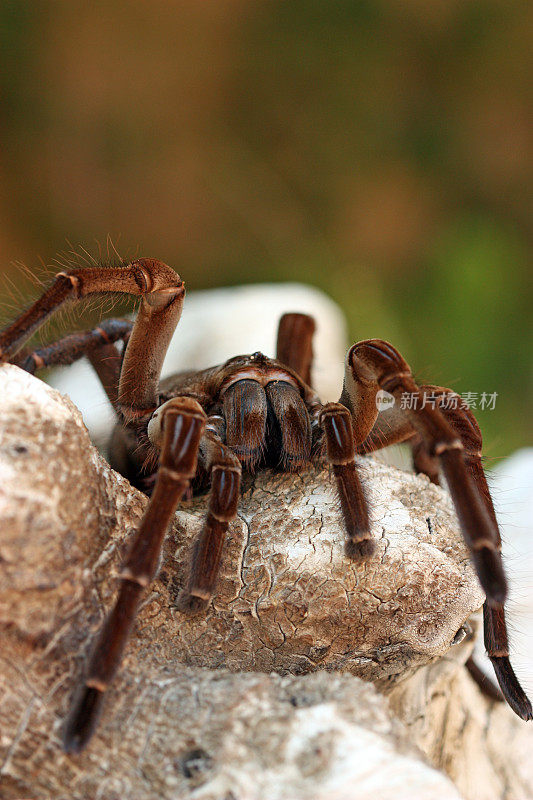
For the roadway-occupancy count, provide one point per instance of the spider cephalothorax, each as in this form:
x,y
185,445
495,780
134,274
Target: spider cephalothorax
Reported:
x,y
252,411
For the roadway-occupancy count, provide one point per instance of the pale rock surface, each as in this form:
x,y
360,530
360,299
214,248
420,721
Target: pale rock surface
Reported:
x,y
287,601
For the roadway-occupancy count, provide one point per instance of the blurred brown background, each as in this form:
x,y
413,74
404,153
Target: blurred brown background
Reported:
x,y
382,151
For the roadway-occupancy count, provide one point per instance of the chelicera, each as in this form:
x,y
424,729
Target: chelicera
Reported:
x,y
209,426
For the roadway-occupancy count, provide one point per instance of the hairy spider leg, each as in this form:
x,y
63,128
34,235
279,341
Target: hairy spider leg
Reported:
x,y
295,349
224,469
336,422
98,345
295,343
162,293
393,427
375,365
183,423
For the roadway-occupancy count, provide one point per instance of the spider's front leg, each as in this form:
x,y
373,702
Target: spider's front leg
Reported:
x,y
98,345
224,469
162,293
443,426
336,421
375,365
182,422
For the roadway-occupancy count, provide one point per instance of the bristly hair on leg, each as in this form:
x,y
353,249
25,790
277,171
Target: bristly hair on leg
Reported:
x,y
72,316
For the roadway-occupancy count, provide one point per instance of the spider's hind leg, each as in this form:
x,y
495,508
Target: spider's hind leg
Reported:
x,y
295,343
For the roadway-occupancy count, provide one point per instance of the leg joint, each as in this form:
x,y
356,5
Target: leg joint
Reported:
x,y
126,574
443,447
229,463
74,281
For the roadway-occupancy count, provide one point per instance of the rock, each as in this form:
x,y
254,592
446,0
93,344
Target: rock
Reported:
x,y
180,733
287,601
482,746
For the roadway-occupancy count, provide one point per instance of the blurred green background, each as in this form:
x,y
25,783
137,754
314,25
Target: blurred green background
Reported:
x,y
382,151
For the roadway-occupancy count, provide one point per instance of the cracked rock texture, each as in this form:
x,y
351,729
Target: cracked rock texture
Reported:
x,y
288,601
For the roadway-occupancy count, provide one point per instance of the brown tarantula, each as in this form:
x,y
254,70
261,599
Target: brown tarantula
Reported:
x,y
250,412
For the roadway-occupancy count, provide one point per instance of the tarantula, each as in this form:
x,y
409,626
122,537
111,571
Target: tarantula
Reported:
x,y
252,411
